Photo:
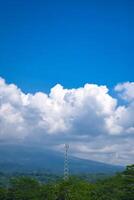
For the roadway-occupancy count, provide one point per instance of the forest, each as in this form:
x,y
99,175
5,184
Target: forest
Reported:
x,y
117,187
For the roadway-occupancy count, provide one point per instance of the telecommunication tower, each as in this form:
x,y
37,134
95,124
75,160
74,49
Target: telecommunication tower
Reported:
x,y
66,164
116,158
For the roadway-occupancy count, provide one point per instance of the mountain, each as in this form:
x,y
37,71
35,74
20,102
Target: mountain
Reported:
x,y
23,158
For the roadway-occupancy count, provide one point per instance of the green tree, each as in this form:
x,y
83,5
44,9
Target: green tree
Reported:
x,y
3,194
128,183
24,189
118,187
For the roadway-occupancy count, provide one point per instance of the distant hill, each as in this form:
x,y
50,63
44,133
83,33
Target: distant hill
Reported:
x,y
23,158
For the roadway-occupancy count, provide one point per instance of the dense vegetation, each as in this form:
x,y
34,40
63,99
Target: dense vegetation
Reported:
x,y
118,187
47,177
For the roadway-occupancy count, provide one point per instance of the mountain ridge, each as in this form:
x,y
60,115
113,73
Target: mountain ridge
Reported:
x,y
24,158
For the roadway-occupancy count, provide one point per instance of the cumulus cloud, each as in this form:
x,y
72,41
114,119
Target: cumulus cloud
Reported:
x,y
126,90
88,118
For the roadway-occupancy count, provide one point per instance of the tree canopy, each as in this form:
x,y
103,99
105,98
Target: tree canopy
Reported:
x,y
117,187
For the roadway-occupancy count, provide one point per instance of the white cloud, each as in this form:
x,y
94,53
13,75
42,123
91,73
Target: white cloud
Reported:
x,y
88,118
126,90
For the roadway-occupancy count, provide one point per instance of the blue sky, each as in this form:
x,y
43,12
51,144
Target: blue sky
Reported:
x,y
69,42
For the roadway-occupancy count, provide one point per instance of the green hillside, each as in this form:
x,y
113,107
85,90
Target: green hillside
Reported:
x,y
117,187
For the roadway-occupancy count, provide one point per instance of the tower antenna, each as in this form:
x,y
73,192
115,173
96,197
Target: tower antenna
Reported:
x,y
116,158
66,164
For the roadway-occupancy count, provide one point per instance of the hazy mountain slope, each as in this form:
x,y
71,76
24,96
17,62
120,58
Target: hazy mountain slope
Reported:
x,y
23,158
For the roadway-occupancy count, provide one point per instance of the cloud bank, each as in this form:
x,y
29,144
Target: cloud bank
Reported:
x,y
92,121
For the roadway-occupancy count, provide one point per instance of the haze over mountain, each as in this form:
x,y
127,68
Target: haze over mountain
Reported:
x,y
24,158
